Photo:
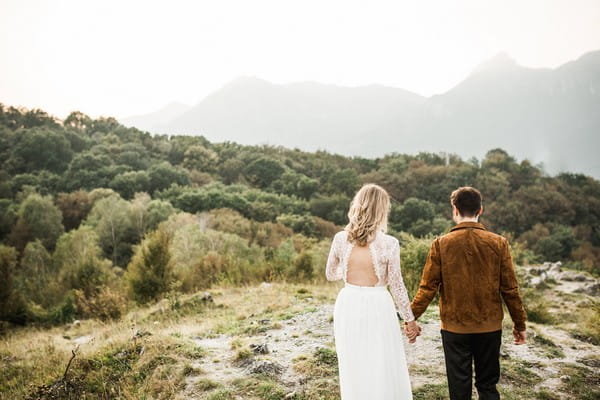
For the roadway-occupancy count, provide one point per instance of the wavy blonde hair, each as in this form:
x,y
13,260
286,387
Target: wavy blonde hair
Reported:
x,y
368,213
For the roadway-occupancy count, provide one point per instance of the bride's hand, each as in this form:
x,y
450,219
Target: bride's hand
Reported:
x,y
412,330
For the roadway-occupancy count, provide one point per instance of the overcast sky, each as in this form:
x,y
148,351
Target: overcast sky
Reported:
x,y
122,57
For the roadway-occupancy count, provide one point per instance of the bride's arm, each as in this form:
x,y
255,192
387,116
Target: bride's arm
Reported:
x,y
396,284
333,272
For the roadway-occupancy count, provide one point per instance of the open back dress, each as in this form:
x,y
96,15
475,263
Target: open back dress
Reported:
x,y
368,338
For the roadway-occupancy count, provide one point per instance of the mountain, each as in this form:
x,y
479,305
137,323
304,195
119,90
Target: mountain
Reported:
x,y
549,116
306,115
545,115
149,122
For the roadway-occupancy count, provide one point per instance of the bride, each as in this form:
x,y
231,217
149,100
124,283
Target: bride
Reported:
x,y
368,340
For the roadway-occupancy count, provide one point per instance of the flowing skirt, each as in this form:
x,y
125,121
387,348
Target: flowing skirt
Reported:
x,y
368,342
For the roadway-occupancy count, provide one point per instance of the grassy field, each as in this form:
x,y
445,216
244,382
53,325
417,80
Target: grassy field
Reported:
x,y
272,341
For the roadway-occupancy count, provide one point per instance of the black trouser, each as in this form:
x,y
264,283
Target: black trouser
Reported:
x,y
460,350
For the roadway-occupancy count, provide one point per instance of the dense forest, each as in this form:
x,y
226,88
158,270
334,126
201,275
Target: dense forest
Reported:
x,y
95,215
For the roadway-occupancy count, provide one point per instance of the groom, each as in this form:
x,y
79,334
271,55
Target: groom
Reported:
x,y
473,271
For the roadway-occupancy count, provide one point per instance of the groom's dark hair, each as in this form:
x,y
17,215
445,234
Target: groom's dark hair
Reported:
x,y
467,200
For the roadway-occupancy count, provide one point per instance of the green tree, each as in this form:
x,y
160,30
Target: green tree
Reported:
x,y
133,155
131,182
499,159
230,170
150,273
37,275
332,208
79,261
11,304
557,246
412,216
88,171
294,184
38,218
200,158
343,181
39,149
304,224
78,121
112,221
163,175
263,171
8,217
146,213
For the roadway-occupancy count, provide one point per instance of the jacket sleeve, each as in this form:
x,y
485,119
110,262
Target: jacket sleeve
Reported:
x,y
333,272
509,287
396,284
430,280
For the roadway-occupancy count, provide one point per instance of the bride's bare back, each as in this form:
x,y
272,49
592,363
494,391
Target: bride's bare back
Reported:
x,y
377,264
361,271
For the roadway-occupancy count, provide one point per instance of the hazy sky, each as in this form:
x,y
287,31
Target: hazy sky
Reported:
x,y
128,57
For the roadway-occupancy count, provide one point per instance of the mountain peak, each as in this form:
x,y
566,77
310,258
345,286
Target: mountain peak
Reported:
x,y
246,80
500,61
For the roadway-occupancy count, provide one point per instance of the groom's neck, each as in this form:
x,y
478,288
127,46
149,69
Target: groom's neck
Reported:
x,y
461,219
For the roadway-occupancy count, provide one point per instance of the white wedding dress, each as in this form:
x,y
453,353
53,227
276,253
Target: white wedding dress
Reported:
x,y
368,338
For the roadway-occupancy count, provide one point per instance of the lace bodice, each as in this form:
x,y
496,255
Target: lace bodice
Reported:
x,y
385,252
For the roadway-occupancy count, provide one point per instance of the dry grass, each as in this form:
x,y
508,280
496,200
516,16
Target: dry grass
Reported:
x,y
31,357
158,360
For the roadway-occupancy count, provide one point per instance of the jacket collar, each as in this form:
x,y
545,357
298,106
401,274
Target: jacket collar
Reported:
x,y
464,225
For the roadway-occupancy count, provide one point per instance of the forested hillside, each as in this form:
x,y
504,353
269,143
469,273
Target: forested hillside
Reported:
x,y
94,214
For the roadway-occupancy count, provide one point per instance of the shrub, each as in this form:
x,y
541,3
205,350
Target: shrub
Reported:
x,y
107,304
413,254
303,266
536,306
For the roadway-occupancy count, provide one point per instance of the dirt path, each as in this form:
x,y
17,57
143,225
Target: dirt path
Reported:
x,y
305,332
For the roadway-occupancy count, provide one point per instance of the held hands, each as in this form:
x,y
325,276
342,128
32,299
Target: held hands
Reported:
x,y
412,330
520,336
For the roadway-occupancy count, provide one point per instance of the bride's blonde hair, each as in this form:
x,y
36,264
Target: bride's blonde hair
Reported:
x,y
368,213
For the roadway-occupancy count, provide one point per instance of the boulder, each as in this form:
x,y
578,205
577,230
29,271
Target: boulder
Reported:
x,y
556,267
266,367
536,271
207,297
572,276
591,289
259,348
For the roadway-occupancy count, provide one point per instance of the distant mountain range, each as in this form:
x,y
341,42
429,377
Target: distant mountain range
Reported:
x,y
545,115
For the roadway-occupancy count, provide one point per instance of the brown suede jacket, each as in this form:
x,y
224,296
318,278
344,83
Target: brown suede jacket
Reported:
x,y
473,270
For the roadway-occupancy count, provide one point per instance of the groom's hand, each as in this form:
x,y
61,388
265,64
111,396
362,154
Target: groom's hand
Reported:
x,y
520,336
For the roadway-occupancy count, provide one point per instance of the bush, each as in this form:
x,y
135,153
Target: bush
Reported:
x,y
61,313
303,266
304,224
536,306
413,254
589,330
107,304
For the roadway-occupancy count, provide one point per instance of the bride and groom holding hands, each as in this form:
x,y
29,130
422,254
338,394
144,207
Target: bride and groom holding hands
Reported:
x,y
471,269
